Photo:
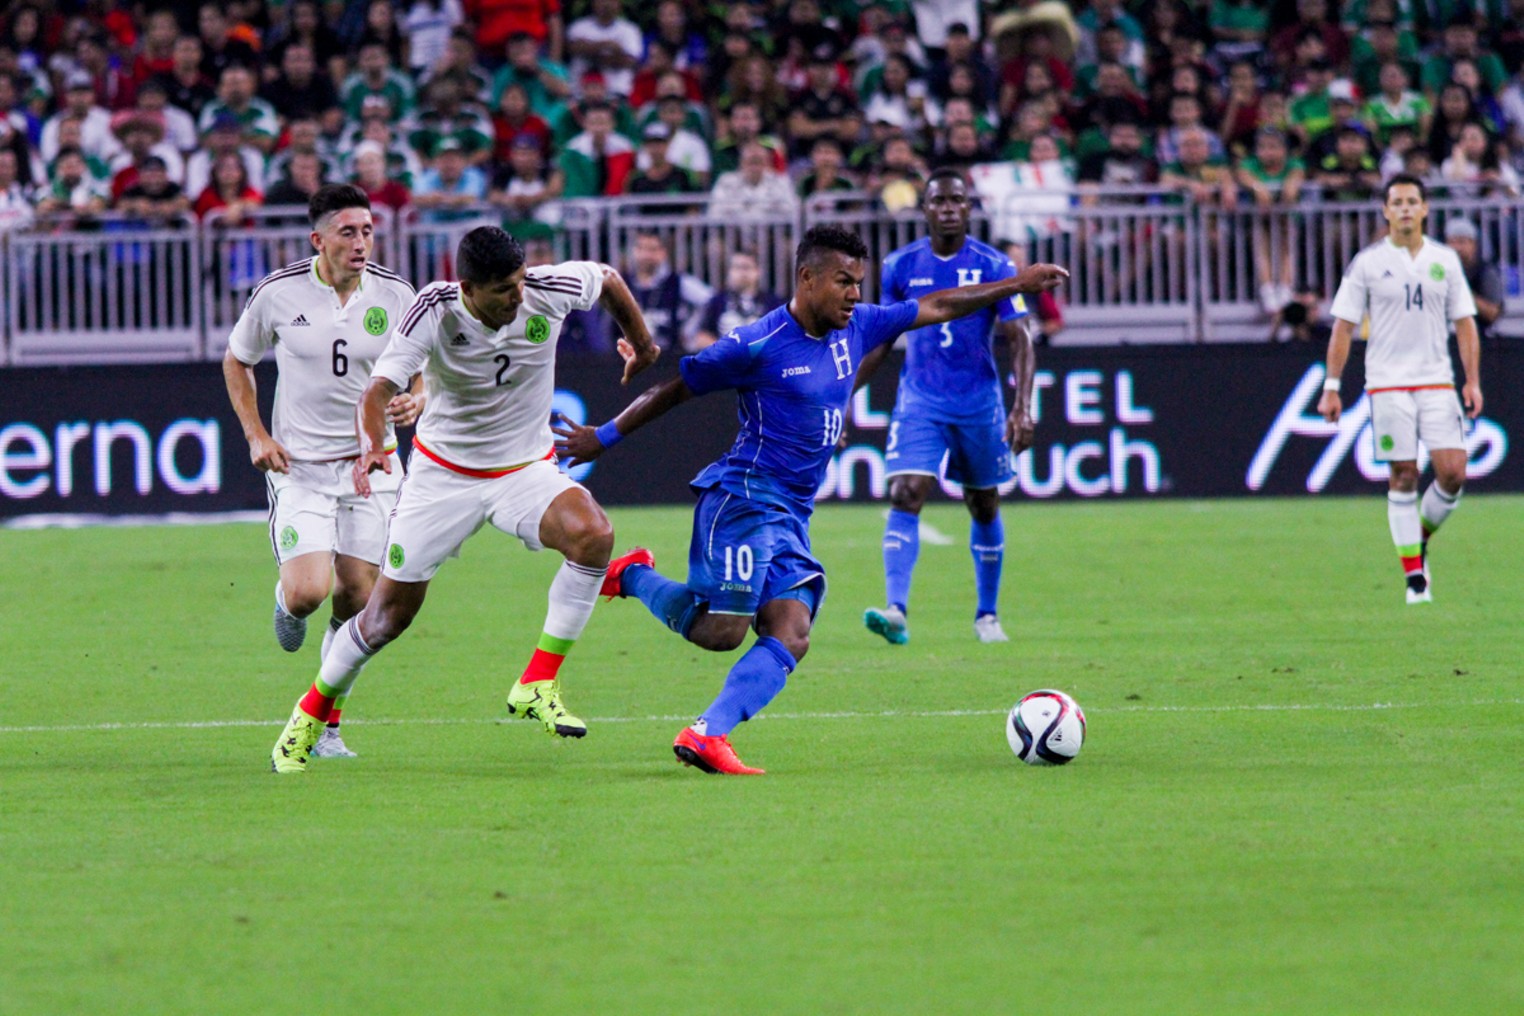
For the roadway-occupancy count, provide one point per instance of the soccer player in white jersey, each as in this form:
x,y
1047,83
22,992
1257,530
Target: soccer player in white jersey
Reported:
x,y
483,453
1413,289
328,318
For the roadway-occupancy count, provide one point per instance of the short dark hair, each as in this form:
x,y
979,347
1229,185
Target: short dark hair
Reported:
x,y
487,254
1404,178
335,197
947,173
819,240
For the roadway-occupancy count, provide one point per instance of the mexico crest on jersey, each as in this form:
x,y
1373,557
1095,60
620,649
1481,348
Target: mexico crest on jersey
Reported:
x,y
537,329
1437,272
375,321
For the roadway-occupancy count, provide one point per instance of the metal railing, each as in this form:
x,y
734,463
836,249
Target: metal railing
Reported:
x,y
1146,264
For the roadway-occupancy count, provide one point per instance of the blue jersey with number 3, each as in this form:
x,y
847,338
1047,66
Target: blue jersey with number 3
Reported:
x,y
950,371
792,391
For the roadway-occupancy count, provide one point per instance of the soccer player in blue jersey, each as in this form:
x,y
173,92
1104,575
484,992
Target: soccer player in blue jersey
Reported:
x,y
950,406
749,562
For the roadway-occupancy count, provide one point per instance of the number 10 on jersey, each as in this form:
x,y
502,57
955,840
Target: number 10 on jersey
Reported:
x,y
832,427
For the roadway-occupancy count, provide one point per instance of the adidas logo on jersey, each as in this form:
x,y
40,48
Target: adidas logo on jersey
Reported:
x,y
300,321
459,340
1387,274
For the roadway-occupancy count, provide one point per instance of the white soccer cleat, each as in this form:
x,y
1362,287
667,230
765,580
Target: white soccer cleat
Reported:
x,y
290,631
331,745
987,629
1414,596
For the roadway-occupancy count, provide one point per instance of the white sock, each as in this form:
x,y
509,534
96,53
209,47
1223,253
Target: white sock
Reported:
x,y
573,592
1437,505
1407,531
347,656
334,624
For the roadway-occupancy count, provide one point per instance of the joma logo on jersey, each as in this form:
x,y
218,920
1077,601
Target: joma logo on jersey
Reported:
x,y
970,276
922,282
793,371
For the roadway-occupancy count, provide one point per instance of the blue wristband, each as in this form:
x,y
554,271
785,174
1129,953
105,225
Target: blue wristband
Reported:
x,y
608,435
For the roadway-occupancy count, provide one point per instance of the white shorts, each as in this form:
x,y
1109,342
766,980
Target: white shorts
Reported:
x,y
314,509
1402,418
439,508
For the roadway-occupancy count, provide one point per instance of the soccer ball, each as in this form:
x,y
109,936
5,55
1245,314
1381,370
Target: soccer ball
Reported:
x,y
1046,728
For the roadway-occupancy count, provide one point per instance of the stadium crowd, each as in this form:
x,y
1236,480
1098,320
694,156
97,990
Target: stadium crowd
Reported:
x,y
437,107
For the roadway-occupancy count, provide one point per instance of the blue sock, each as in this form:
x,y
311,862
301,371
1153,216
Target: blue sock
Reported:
x,y
986,541
674,604
752,683
902,542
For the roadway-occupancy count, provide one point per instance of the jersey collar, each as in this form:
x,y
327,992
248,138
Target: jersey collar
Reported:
x,y
317,280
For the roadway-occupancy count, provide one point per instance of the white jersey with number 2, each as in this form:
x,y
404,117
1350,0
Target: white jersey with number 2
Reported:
x,y
1411,301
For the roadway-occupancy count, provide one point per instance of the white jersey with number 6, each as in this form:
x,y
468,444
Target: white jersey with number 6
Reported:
x,y
489,391
1411,301
324,352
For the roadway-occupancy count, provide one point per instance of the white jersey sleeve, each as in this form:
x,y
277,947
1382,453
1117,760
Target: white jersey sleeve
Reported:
x,y
414,339
252,336
569,286
1351,301
1461,302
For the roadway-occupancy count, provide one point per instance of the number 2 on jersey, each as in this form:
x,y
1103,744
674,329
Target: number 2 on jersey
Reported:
x,y
503,363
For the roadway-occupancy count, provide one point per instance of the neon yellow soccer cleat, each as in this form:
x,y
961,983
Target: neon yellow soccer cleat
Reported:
x,y
541,700
295,745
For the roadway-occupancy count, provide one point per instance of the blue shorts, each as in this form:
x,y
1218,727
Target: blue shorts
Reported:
x,y
745,553
976,453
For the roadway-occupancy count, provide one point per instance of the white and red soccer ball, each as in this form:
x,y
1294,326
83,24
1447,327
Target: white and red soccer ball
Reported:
x,y
1046,728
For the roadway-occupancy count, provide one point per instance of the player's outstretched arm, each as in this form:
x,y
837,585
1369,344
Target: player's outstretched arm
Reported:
x,y
950,304
636,347
1469,343
370,429
267,454
1330,405
578,443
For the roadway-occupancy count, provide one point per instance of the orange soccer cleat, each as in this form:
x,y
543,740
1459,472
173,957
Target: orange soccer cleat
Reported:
x,y
639,555
711,754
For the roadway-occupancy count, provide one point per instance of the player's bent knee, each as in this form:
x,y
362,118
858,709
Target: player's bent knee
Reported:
x,y
718,633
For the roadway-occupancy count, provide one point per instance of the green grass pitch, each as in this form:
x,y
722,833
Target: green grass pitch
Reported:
x,y
1298,794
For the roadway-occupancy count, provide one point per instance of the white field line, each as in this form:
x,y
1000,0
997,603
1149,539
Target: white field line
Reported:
x,y
862,715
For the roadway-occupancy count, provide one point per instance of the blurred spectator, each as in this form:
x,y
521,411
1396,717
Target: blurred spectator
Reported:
x,y
1312,16
659,65
375,76
96,138
460,61
1379,44
669,300
450,187
72,188
371,176
230,195
235,98
741,302
545,82
1197,172
1465,72
16,211
1396,105
1241,112
597,161
592,91
735,47
219,48
1240,28
1311,112
427,25
898,176
1036,46
381,26
875,47
1401,141
1512,103
1508,35
658,175
1484,277
302,138
301,180
803,26
671,86
13,138
300,90
962,52
1113,98
513,120
1475,168
141,135
1122,164
1461,42
899,97
754,192
1343,111
1111,48
179,126
689,50
114,87
963,148
1417,163
825,174
753,81
526,189
304,25
1098,15
823,109
403,163
186,85
1273,178
1349,172
446,114
1185,115
607,41
24,36
223,137
1301,319
498,21
743,127
1454,109
686,149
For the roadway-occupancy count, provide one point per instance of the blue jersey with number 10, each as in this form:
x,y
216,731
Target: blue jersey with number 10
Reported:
x,y
950,371
792,391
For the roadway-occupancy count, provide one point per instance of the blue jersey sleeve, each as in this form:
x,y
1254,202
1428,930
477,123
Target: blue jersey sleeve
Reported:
x,y
1015,307
879,324
891,286
725,364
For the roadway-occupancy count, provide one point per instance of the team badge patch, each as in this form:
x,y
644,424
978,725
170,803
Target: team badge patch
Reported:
x,y
1437,273
288,538
395,556
375,321
1386,442
537,329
